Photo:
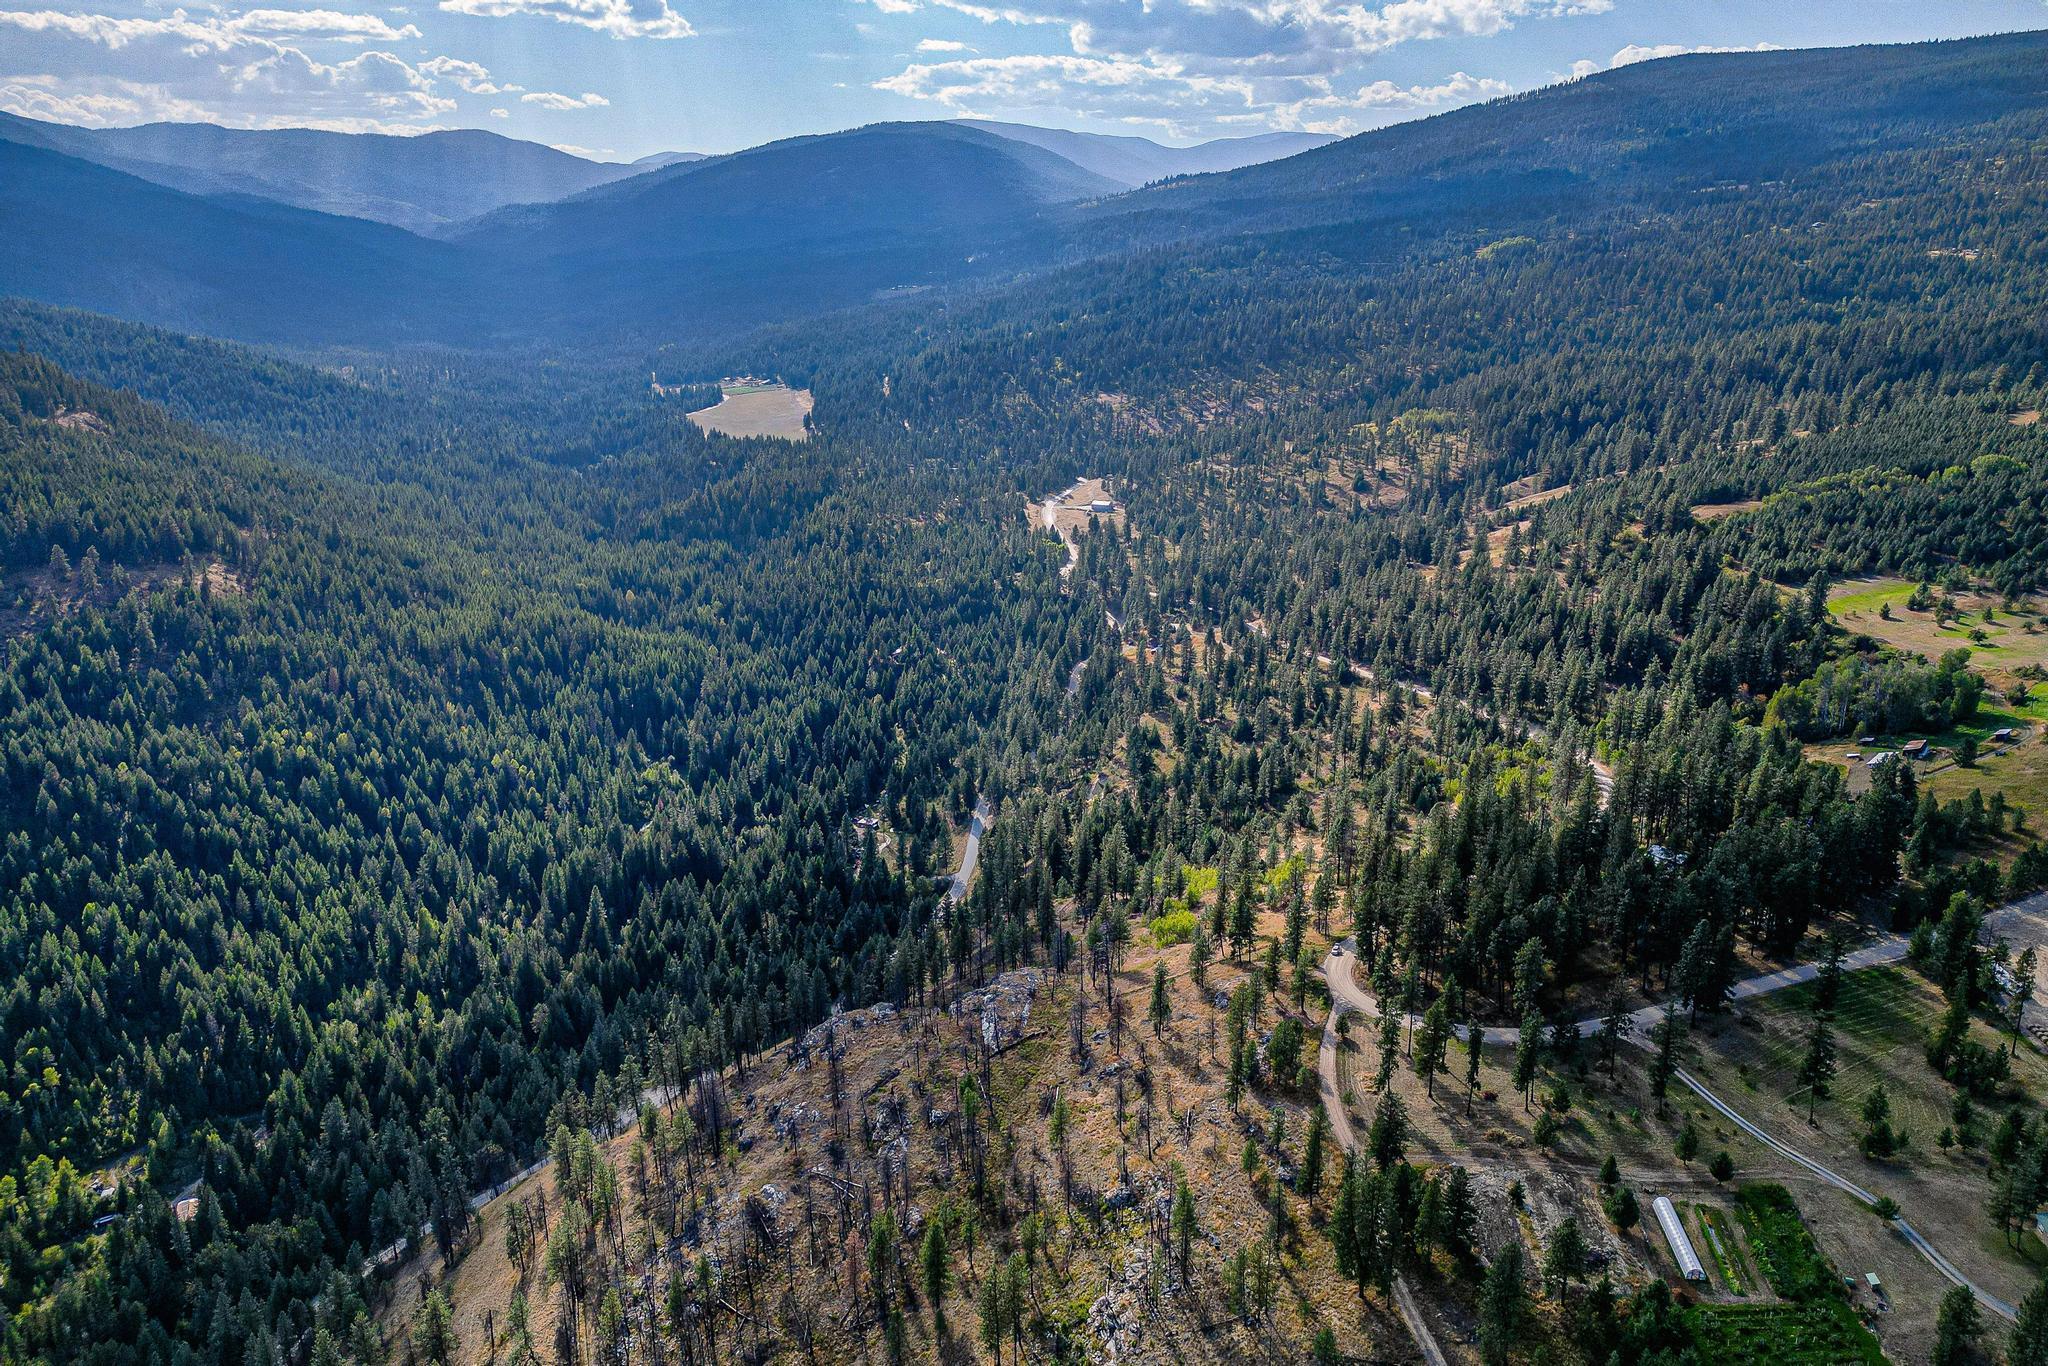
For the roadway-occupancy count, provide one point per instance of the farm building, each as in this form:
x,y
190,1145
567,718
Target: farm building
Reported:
x,y
1879,760
1102,507
1916,749
1681,1246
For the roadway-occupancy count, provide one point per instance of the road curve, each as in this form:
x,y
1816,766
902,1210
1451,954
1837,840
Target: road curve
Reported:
x,y
1340,1129
2026,918
1348,997
970,855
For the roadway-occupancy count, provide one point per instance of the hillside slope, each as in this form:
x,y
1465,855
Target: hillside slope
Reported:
x,y
1637,134
84,236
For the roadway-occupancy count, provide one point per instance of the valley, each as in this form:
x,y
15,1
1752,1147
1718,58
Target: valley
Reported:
x,y
952,741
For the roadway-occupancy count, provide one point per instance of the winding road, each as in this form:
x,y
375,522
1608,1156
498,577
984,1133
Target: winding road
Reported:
x,y
2025,921
970,854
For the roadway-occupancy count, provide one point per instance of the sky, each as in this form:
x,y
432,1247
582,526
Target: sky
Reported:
x,y
618,79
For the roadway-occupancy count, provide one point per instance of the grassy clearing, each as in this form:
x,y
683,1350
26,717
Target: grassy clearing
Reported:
x,y
1998,638
759,410
1753,1057
1880,1026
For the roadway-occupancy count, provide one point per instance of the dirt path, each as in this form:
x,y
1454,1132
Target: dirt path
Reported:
x,y
1343,1000
1603,776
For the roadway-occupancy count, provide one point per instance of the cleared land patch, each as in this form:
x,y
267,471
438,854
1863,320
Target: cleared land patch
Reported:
x,y
2008,645
1714,512
753,409
2000,640
1752,1057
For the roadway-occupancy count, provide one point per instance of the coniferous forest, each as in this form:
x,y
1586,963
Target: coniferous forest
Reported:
x,y
415,758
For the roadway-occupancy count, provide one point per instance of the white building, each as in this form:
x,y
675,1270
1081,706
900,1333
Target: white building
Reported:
x,y
1681,1246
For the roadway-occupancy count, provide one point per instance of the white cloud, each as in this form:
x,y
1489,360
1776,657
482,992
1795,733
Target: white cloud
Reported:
x,y
99,104
550,99
1187,64
941,45
255,68
470,76
619,18
1637,52
210,34
386,85
501,113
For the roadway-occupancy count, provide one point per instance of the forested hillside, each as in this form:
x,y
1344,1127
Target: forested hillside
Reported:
x,y
428,762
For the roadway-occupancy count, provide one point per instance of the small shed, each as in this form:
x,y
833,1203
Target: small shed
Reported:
x,y
1916,749
1102,507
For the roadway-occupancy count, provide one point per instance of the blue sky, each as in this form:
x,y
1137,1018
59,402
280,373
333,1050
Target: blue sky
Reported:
x,y
622,78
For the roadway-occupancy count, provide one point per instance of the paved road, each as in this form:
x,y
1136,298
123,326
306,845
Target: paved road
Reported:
x,y
1856,1192
2024,921
970,856
2021,922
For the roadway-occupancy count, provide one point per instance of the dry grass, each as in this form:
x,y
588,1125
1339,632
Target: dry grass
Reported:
x,y
1752,1058
1714,512
2011,639
915,1057
768,410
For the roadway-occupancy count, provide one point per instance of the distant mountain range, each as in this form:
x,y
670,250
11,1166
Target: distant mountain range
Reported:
x,y
433,182
559,250
1133,161
421,183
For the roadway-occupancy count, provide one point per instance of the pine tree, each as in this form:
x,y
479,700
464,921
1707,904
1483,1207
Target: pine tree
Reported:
x,y
1956,1325
1161,1008
1388,1137
1528,1053
935,1266
1310,1180
1183,1224
2028,1345
1390,1051
1670,1030
1502,1305
1818,1070
1432,1043
1565,1262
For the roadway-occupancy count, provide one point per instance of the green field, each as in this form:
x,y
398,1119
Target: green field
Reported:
x,y
1718,1238
1881,1022
1814,1327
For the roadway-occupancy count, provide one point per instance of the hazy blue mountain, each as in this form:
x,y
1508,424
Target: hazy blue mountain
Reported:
x,y
421,183
654,161
87,236
807,225
869,186
1134,161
